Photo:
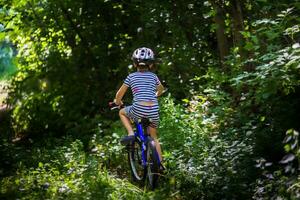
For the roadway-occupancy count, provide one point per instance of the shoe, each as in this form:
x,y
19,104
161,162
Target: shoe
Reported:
x,y
127,139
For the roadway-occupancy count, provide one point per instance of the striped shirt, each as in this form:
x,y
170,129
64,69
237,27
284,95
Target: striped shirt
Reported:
x,y
143,86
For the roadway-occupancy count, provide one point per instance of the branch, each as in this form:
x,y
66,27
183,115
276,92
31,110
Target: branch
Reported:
x,y
10,19
77,30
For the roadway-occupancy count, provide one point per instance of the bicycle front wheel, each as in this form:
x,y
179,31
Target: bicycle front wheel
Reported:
x,y
152,163
138,171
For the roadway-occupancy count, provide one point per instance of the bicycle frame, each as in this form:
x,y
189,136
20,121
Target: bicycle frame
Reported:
x,y
143,137
150,168
140,134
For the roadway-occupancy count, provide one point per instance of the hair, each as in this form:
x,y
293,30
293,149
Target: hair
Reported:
x,y
145,67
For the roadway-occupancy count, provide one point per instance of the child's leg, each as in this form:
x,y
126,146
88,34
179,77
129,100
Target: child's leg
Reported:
x,y
126,121
153,134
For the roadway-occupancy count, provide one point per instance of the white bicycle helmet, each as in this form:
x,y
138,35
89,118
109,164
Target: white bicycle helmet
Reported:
x,y
143,56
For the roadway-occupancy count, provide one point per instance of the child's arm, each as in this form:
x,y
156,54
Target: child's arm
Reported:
x,y
120,94
160,88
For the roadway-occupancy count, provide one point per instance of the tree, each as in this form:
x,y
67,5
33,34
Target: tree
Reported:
x,y
219,19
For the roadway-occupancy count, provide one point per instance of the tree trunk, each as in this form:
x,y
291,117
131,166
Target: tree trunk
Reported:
x,y
238,23
220,31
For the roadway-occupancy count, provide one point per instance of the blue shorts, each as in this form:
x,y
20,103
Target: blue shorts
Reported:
x,y
137,111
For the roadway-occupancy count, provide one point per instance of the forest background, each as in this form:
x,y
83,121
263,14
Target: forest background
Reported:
x,y
229,121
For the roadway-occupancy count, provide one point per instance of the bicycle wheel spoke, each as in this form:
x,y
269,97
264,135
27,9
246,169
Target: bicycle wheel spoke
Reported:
x,y
138,171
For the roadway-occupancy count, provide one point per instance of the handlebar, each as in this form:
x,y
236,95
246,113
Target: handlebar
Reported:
x,y
113,106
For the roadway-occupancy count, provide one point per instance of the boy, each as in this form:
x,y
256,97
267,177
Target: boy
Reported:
x,y
145,87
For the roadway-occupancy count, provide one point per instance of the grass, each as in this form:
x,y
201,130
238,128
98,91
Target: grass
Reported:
x,y
65,168
56,169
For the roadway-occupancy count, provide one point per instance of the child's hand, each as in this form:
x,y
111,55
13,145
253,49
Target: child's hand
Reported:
x,y
160,90
118,102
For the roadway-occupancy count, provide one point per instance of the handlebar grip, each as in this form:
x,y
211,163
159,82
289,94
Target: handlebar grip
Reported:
x,y
114,106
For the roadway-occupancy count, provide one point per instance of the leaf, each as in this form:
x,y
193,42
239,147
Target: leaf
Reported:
x,y
249,46
268,164
287,139
185,100
294,145
41,165
287,148
269,176
295,133
254,39
288,168
1,28
287,158
296,45
246,34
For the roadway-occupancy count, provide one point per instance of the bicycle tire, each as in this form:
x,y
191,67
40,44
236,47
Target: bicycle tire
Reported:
x,y
152,164
138,171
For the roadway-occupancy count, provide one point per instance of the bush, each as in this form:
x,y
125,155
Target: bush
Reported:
x,y
206,160
66,171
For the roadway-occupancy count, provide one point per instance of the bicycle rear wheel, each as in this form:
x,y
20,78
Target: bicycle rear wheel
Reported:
x,y
152,164
138,171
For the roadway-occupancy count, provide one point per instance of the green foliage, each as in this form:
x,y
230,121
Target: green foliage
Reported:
x,y
283,182
269,93
241,115
220,121
64,171
7,65
277,73
72,51
201,155
60,81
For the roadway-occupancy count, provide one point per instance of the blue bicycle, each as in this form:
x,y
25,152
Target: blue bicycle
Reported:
x,y
143,158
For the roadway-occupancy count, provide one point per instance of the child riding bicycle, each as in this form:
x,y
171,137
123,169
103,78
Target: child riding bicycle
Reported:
x,y
145,87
